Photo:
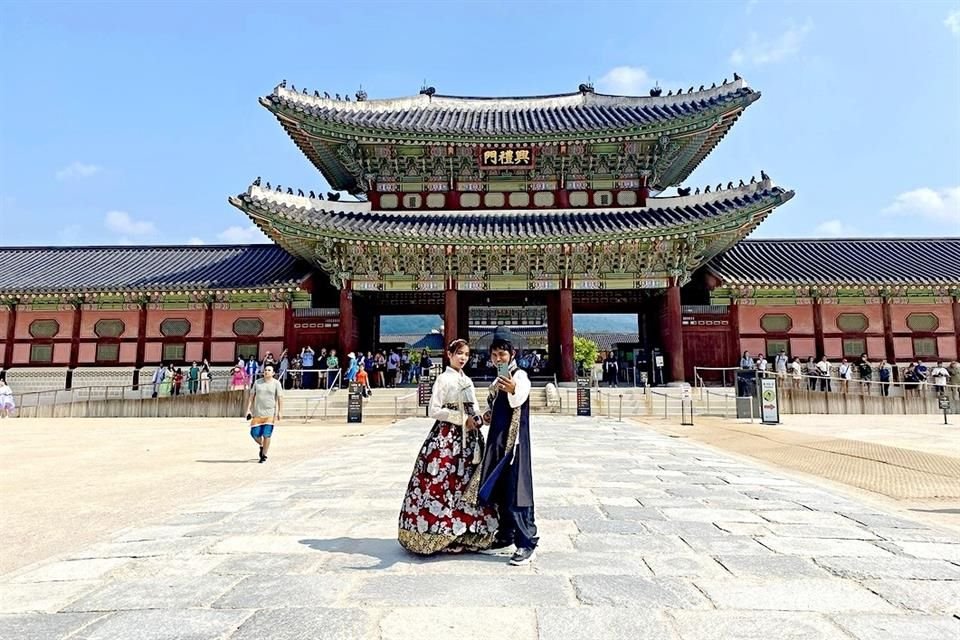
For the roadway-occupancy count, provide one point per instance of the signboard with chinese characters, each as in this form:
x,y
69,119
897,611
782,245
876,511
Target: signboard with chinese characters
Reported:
x,y
769,401
506,158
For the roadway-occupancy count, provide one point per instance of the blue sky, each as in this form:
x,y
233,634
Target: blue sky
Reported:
x,y
133,122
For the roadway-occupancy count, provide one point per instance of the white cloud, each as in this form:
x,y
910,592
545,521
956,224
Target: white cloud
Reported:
x,y
78,170
625,80
953,22
834,229
241,235
121,222
758,52
195,241
942,205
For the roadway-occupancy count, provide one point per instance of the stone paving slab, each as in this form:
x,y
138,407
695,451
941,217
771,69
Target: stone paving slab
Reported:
x,y
899,627
753,625
643,536
164,624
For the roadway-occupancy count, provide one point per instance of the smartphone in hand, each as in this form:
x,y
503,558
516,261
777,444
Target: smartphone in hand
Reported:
x,y
503,370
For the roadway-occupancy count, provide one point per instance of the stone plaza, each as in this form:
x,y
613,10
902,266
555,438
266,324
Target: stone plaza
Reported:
x,y
643,536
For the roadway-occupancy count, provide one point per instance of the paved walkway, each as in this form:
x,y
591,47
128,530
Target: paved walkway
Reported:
x,y
643,536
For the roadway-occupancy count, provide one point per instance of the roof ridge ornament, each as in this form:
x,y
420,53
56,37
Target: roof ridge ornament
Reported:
x,y
427,91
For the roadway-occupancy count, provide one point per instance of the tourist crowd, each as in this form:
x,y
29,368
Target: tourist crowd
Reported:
x,y
821,374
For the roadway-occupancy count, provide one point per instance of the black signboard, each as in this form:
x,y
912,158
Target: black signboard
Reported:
x,y
945,403
583,396
424,391
354,404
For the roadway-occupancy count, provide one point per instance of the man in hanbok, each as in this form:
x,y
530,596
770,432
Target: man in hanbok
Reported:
x,y
506,471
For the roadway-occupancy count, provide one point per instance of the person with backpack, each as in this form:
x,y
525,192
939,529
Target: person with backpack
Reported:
x,y
865,371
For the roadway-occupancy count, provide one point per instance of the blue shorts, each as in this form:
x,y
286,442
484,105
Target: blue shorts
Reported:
x,y
261,430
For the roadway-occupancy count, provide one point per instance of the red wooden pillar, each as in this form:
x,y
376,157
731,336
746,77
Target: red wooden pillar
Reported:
x,y
563,199
565,330
75,336
289,340
733,315
347,329
553,331
141,334
956,324
672,330
451,325
888,344
820,348
11,334
208,329
644,192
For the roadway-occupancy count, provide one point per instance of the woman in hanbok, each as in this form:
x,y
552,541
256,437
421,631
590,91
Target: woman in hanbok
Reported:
x,y
7,405
166,385
440,510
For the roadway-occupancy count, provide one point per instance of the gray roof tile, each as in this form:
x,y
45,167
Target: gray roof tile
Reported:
x,y
841,261
567,113
147,268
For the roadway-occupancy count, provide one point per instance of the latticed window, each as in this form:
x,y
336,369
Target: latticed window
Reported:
x,y
923,322
854,347
247,350
776,323
925,347
109,329
852,323
108,352
44,328
175,327
174,351
41,353
774,347
248,326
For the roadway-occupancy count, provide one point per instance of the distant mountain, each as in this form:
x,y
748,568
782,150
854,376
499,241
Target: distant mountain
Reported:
x,y
595,323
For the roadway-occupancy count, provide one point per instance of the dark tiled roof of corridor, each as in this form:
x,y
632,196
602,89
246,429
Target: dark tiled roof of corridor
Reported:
x,y
841,261
147,267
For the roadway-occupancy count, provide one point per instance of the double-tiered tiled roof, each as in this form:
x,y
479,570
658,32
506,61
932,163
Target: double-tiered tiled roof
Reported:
x,y
901,261
332,133
487,118
282,216
161,268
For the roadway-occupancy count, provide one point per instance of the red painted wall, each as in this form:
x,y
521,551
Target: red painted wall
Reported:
x,y
223,320
223,351
873,312
24,318
801,314
156,316
89,318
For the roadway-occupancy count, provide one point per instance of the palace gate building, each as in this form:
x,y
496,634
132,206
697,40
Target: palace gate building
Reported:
x,y
460,206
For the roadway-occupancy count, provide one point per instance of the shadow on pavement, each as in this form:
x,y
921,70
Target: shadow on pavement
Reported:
x,y
389,552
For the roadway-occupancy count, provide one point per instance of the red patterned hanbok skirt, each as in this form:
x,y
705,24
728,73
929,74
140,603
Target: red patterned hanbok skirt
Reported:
x,y
439,509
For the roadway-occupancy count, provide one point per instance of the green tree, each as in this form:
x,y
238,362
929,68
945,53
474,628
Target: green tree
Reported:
x,y
584,351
